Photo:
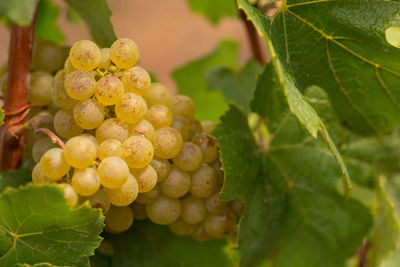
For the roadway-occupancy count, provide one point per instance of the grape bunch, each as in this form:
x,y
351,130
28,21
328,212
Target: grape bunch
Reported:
x,y
131,149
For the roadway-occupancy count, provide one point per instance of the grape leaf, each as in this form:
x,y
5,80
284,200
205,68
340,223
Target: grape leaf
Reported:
x,y
236,87
147,244
190,80
14,178
37,225
214,10
46,26
96,14
19,11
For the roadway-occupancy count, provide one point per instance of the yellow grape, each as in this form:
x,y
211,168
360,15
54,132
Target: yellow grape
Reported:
x,y
146,178
80,152
58,94
89,114
68,67
204,181
65,125
79,85
118,219
38,176
146,198
91,138
40,88
139,210
69,194
208,146
124,53
182,228
182,125
40,147
144,127
110,147
195,128
136,80
157,94
124,195
183,106
85,55
190,157
160,116
109,90
86,181
113,172
220,224
164,210
215,204
167,143
105,59
162,167
138,151
193,210
112,129
177,184
131,108
98,200
53,164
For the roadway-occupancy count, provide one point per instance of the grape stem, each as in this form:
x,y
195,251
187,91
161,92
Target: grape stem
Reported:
x,y
16,97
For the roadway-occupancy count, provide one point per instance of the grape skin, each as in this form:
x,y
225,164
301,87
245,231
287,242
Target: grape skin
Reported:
x,y
193,210
190,157
208,126
110,147
181,228
113,172
183,106
80,152
139,210
208,146
219,225
89,114
40,88
200,235
177,184
124,53
164,210
98,200
215,203
53,164
70,195
160,116
195,128
144,127
204,181
79,85
65,125
182,125
85,181
125,194
157,94
68,67
138,151
136,80
146,178
85,55
109,90
47,56
118,219
149,197
38,176
167,143
58,94
105,59
162,167
40,147
131,108
112,129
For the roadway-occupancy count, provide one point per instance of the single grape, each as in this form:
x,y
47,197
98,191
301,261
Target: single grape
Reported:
x,y
157,94
79,85
131,108
182,228
237,207
136,80
146,178
144,127
40,147
139,210
69,194
47,56
162,167
124,195
177,183
193,210
109,90
58,94
65,125
190,157
118,219
204,181
164,210
105,59
112,129
91,138
113,172
183,106
110,147
80,152
146,198
200,235
85,181
98,200
89,114
208,126
38,176
138,151
195,128
167,143
160,116
208,146
40,88
182,125
124,53
215,204
85,55
53,164
68,67
220,224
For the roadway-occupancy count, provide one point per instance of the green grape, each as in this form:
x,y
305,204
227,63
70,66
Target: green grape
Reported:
x,y
40,88
164,210
144,127
195,128
65,125
40,147
91,138
53,164
80,152
113,172
157,94
208,146
204,181
112,129
193,210
139,210
85,55
138,151
131,108
162,167
183,106
149,197
182,125
85,181
98,200
136,80
208,126
167,143
109,90
38,176
237,207
109,148
177,183
190,157
182,228
124,53
69,194
200,235
160,116
47,56
118,219
105,59
146,178
215,204
124,195
89,114
58,94
220,224
68,67
79,85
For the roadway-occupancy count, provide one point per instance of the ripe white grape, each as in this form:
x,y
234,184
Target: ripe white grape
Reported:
x,y
144,127
113,172
215,204
68,67
53,164
160,116
136,80
146,178
110,147
177,184
98,200
105,59
85,55
38,176
58,94
69,194
208,126
138,151
40,147
182,228
190,157
65,125
193,210
195,128
131,108
208,146
40,88
85,181
164,210
182,125
109,90
89,114
112,129
80,152
204,181
220,224
183,106
47,56
167,143
91,138
124,53
118,219
162,167
79,85
124,195
146,198
157,94
139,210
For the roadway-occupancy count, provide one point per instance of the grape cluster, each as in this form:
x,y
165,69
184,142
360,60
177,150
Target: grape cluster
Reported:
x,y
131,149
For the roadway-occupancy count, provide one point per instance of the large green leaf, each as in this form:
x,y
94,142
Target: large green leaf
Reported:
x,y
96,14
37,225
214,10
340,46
14,178
19,11
46,23
190,80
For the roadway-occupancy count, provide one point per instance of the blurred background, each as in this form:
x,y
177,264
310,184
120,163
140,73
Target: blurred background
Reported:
x,y
167,32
